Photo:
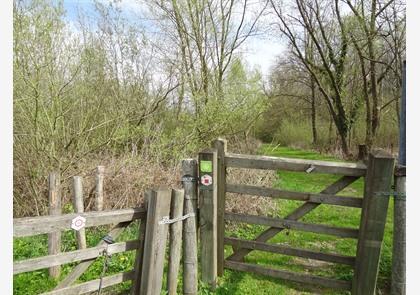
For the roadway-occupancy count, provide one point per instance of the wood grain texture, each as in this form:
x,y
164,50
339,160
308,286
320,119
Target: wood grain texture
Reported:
x,y
329,199
99,188
291,276
286,250
79,208
54,237
276,163
190,259
375,205
29,226
72,256
159,202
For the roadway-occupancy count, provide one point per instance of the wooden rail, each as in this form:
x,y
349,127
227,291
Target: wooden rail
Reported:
x,y
291,276
286,250
29,226
73,256
276,163
296,196
296,225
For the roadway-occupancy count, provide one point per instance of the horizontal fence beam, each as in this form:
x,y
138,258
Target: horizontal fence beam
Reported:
x,y
93,285
276,163
73,256
291,276
286,250
296,196
295,225
29,226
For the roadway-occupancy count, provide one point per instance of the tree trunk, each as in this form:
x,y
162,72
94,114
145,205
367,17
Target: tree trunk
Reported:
x,y
313,113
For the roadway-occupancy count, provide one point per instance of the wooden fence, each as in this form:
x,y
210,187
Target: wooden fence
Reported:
x,y
377,173
200,209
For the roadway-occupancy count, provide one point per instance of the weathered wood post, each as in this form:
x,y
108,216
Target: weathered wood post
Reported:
x,y
138,264
398,249
79,208
54,238
208,216
190,264
175,240
99,188
375,205
158,206
221,147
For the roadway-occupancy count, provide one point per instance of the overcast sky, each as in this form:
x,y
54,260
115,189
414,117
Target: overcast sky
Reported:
x,y
259,51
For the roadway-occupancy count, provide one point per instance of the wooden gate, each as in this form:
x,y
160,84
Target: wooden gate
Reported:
x,y
377,173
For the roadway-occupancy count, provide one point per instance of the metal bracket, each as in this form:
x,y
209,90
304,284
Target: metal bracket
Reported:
x,y
310,169
167,220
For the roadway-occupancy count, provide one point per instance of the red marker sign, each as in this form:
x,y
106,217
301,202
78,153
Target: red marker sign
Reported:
x,y
206,180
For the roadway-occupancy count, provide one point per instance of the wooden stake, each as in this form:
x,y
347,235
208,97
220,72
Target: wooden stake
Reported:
x,y
208,216
175,240
54,238
79,208
99,201
375,205
190,265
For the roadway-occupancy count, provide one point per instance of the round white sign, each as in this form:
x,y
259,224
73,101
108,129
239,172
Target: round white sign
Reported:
x,y
206,180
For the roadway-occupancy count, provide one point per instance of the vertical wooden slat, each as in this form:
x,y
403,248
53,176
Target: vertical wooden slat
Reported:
x,y
398,285
221,147
155,241
190,264
79,208
138,264
372,225
99,188
54,239
175,240
208,216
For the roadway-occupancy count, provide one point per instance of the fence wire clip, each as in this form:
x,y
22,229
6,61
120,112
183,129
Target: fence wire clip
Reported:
x,y
310,169
188,178
167,220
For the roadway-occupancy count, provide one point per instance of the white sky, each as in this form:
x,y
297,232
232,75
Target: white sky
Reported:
x,y
258,51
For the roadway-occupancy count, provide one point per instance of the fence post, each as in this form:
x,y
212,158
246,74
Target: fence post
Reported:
x,y
54,238
175,240
398,249
135,288
378,180
155,241
189,182
208,216
79,208
99,188
221,146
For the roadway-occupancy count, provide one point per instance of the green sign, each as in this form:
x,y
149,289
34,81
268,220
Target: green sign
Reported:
x,y
206,166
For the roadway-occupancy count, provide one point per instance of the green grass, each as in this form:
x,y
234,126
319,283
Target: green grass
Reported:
x,y
234,282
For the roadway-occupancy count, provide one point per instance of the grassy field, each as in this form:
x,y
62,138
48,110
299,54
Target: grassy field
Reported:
x,y
239,282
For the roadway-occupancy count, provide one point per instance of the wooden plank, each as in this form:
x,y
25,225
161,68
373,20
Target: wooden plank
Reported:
x,y
276,163
341,232
93,285
221,147
190,263
208,216
286,250
375,205
72,256
330,199
84,265
29,226
99,188
175,241
291,276
79,208
398,284
298,213
54,237
138,264
158,207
